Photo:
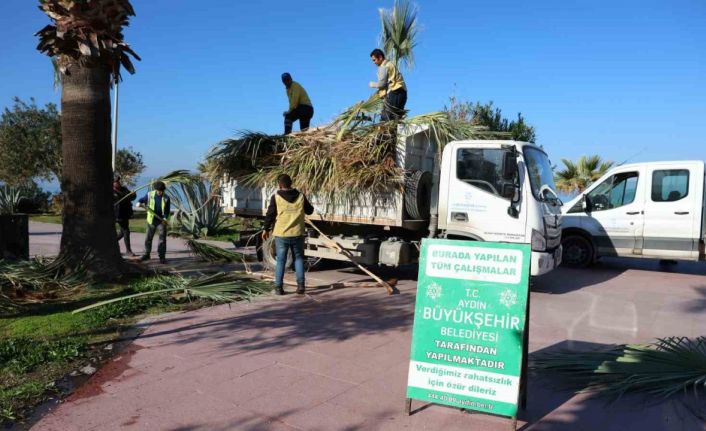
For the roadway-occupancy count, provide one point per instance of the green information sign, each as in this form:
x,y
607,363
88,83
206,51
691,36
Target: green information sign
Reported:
x,y
468,325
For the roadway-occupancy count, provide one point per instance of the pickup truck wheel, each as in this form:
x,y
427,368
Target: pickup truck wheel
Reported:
x,y
577,251
269,255
417,195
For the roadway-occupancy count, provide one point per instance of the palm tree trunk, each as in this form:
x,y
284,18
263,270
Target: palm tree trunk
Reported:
x,y
88,218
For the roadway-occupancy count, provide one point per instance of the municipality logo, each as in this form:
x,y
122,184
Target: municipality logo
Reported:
x,y
508,298
434,291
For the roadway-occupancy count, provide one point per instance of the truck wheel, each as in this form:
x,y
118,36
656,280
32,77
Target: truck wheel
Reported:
x,y
417,195
577,251
269,255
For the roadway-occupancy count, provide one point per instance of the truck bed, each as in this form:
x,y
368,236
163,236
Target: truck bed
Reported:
x,y
415,151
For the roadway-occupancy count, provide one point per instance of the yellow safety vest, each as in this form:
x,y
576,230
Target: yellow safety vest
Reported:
x,y
395,81
290,217
150,205
297,96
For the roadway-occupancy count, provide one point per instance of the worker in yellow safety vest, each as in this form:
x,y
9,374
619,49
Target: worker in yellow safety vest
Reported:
x,y
390,87
287,212
300,107
158,207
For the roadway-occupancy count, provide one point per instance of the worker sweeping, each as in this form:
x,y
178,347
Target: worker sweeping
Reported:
x,y
390,85
158,206
300,107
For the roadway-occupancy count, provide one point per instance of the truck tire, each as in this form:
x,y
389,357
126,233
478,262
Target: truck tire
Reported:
x,y
269,255
577,251
417,195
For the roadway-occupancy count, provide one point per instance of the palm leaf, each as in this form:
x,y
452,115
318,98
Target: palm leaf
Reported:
x,y
221,287
212,253
662,369
399,31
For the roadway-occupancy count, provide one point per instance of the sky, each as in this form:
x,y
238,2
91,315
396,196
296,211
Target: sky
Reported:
x,y
622,79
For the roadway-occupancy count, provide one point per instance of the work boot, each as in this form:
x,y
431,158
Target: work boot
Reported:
x,y
300,289
145,257
162,260
279,291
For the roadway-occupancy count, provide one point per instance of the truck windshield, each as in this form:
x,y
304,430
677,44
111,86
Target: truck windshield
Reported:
x,y
540,174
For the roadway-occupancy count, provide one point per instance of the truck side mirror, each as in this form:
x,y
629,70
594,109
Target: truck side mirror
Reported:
x,y
509,168
585,204
511,191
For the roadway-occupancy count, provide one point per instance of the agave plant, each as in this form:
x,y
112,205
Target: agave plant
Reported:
x,y
661,369
9,199
220,288
198,208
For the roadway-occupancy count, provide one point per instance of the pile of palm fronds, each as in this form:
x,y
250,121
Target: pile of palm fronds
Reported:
x,y
351,156
19,278
219,288
662,369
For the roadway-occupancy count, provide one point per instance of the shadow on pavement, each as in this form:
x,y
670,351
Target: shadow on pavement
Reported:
x,y
699,306
292,321
565,280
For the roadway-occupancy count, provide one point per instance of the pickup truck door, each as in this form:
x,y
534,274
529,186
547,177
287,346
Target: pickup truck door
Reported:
x,y
673,211
614,216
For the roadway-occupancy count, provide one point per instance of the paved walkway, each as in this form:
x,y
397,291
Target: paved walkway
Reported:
x,y
338,359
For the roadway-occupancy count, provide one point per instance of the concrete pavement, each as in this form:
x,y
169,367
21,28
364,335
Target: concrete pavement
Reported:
x,y
337,359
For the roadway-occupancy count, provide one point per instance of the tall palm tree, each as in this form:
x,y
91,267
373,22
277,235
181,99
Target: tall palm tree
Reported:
x,y
399,32
575,177
86,42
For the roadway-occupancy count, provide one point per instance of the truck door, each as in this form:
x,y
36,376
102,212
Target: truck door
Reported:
x,y
672,212
476,204
614,216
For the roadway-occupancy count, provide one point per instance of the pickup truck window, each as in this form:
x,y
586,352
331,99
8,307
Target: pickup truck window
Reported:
x,y
614,192
670,185
481,168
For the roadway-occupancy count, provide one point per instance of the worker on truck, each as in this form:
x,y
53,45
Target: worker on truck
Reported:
x,y
390,85
300,107
287,212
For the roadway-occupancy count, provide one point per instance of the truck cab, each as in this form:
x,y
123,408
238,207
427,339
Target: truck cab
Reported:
x,y
501,191
653,210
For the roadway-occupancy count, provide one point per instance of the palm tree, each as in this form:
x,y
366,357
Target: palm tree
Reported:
x,y
575,177
86,42
399,32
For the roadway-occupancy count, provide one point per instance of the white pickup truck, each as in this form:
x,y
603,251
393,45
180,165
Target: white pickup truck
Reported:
x,y
653,210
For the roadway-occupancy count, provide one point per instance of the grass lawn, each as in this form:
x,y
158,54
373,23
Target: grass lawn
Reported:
x,y
46,341
229,232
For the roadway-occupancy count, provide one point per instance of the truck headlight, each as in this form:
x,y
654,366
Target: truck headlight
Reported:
x,y
539,243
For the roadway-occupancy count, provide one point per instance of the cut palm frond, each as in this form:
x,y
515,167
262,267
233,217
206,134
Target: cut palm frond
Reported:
x,y
219,288
352,158
180,176
20,278
212,253
661,369
399,32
